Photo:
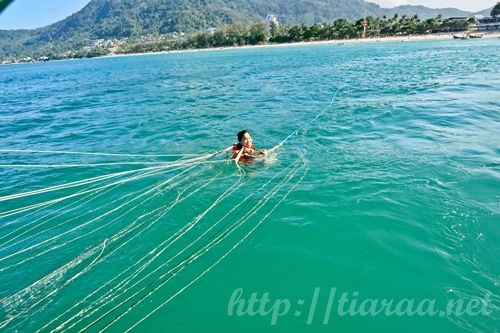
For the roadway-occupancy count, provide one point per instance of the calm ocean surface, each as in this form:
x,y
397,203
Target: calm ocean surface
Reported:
x,y
393,192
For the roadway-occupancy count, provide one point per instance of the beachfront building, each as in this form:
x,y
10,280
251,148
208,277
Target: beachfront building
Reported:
x,y
487,24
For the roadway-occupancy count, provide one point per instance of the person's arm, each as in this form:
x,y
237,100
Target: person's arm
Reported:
x,y
255,152
236,160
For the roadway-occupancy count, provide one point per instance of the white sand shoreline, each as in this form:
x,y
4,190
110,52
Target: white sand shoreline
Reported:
x,y
414,38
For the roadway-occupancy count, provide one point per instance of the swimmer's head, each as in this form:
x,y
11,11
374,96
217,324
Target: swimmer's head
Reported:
x,y
244,138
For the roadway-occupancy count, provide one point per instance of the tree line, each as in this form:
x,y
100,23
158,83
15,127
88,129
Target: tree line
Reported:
x,y
241,34
262,33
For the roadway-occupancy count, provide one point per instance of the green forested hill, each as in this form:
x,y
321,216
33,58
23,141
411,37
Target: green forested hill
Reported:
x,y
106,19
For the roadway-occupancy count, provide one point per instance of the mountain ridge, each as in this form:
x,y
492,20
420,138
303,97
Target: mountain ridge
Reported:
x,y
109,19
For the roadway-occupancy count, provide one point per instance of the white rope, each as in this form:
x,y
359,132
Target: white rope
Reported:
x,y
40,166
72,184
203,250
279,145
183,163
219,260
112,292
89,153
90,252
178,200
190,225
245,217
94,219
94,179
97,190
50,202
92,196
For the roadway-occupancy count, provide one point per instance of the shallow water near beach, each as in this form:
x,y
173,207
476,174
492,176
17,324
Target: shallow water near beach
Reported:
x,y
392,192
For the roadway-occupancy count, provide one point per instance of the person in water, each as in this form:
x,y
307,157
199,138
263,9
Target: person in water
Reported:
x,y
246,148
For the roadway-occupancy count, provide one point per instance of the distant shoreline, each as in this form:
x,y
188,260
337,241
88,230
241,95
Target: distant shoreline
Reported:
x,y
413,38
410,38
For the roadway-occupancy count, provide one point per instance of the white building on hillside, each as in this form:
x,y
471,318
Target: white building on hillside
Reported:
x,y
272,20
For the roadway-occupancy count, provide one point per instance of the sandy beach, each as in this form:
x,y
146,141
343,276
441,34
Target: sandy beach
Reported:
x,y
413,38
402,39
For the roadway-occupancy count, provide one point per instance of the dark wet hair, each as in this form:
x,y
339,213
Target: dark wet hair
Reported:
x,y
240,135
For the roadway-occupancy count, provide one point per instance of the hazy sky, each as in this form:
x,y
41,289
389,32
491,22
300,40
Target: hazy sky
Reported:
x,y
470,5
27,14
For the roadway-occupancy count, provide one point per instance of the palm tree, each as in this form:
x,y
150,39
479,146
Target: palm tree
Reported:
x,y
344,29
470,22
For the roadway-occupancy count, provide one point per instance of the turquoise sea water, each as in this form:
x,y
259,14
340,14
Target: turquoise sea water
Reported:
x,y
393,192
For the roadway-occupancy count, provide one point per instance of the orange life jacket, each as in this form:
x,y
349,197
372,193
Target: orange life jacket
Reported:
x,y
245,156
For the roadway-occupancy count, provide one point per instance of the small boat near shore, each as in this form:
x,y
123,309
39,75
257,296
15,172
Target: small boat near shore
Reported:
x,y
467,36
464,36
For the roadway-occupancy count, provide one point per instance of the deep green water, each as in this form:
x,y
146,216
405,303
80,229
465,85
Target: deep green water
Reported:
x,y
393,192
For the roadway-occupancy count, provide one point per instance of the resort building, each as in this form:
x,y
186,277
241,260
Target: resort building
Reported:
x,y
487,24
